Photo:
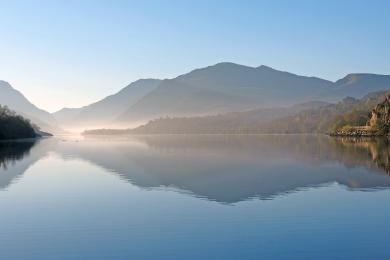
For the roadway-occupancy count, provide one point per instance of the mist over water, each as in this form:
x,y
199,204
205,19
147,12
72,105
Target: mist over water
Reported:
x,y
194,197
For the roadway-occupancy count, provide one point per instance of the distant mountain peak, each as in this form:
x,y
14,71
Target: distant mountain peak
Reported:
x,y
66,109
145,80
224,65
264,67
350,78
227,64
354,78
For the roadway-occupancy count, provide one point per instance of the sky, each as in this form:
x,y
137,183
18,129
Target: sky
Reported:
x,y
74,52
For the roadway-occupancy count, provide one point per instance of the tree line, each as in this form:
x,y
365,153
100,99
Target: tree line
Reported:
x,y
14,126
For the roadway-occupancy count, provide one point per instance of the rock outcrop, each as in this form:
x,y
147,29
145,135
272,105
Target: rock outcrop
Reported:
x,y
378,125
380,116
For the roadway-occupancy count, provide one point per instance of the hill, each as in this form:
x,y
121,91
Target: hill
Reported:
x,y
106,110
15,100
348,112
356,85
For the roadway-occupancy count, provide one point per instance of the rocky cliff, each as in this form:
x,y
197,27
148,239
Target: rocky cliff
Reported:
x,y
380,116
377,125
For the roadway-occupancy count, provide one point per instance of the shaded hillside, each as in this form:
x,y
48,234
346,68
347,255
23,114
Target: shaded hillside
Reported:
x,y
313,117
224,87
16,101
13,126
348,112
225,123
106,110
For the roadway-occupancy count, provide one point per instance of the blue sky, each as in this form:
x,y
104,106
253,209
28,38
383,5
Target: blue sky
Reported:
x,y
71,53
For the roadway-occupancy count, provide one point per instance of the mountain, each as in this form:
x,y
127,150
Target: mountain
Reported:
x,y
224,87
106,110
214,90
15,100
356,85
66,115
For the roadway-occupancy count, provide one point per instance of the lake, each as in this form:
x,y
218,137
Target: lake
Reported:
x,y
195,197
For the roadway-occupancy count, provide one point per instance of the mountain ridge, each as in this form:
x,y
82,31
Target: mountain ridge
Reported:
x,y
16,101
224,87
104,110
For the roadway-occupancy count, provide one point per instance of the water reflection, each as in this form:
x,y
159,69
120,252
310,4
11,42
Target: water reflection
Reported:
x,y
227,169
373,152
13,151
11,160
230,169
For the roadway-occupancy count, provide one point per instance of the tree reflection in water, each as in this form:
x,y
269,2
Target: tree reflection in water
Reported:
x,y
374,151
13,151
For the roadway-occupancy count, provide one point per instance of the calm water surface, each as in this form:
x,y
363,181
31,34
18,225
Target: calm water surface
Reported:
x,y
188,197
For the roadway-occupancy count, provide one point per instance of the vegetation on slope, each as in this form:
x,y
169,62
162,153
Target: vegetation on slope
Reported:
x,y
377,125
323,118
348,112
13,126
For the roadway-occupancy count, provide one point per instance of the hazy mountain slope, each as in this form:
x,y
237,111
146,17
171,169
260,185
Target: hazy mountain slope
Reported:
x,y
234,122
255,121
107,109
356,85
225,87
66,114
16,101
312,117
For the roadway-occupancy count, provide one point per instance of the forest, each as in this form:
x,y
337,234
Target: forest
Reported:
x,y
14,126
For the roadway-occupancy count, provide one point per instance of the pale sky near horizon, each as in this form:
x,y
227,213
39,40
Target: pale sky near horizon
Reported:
x,y
71,53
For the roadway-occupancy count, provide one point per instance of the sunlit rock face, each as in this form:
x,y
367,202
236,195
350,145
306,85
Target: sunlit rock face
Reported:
x,y
377,125
380,116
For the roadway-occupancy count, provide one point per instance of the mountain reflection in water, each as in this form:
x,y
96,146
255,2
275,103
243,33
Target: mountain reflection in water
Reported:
x,y
227,169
